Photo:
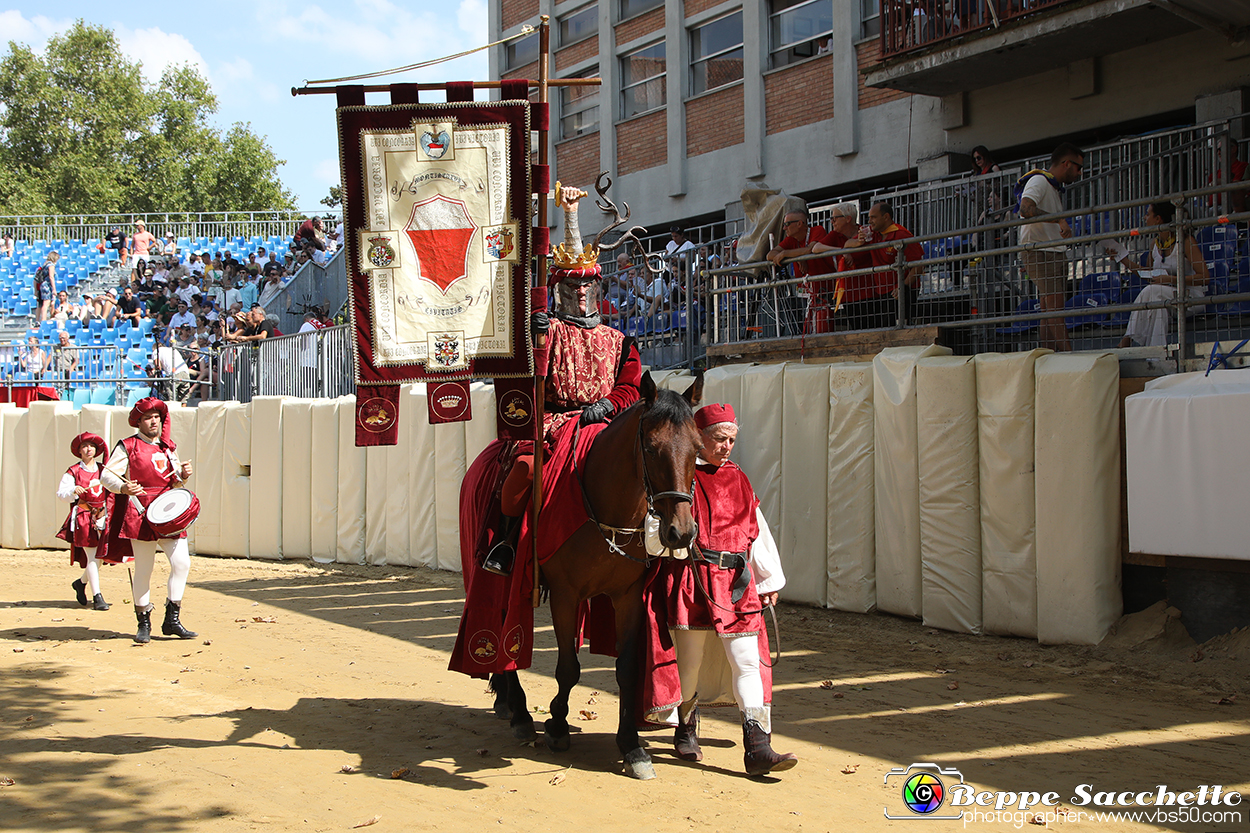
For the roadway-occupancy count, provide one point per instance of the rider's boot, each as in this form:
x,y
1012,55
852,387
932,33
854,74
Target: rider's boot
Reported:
x,y
501,556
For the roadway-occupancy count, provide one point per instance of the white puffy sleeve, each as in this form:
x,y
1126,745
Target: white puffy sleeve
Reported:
x,y
113,475
765,560
65,489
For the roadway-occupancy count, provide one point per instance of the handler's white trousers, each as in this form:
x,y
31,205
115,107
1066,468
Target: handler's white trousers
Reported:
x,y
91,573
145,561
743,653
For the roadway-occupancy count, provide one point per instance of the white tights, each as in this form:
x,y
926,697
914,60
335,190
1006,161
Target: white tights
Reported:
x,y
145,561
91,574
743,653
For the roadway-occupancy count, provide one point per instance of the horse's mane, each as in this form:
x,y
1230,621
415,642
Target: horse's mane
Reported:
x,y
669,407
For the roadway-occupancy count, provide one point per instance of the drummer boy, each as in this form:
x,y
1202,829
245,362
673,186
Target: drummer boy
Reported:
x,y
141,468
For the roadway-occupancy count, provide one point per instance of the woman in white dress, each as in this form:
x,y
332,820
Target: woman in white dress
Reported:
x,y
1149,327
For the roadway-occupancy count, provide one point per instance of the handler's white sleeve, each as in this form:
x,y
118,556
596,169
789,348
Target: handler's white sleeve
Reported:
x,y
65,489
113,475
765,560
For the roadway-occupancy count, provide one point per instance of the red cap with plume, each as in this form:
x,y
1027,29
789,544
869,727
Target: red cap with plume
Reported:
x,y
146,406
714,415
87,438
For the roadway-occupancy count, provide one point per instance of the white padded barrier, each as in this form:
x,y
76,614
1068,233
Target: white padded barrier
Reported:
x,y
950,505
119,424
851,528
350,540
411,409
1078,497
236,482
182,430
422,530
210,468
480,431
1187,465
897,484
758,450
323,479
94,419
677,380
803,534
1005,425
266,504
14,528
50,428
375,503
297,454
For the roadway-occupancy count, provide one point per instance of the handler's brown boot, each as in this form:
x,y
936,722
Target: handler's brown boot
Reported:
x,y
759,758
686,738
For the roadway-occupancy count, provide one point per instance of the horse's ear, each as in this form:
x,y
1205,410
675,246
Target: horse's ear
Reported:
x,y
647,388
694,393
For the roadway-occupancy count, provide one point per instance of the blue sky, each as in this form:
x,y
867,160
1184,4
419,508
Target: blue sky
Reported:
x,y
254,52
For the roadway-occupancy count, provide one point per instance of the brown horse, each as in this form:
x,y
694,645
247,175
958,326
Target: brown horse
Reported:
x,y
643,461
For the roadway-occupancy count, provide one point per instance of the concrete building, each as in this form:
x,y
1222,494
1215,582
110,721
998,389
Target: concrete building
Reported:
x,y
821,97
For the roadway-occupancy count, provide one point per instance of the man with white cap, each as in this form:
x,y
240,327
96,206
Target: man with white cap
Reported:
x,y
717,594
141,468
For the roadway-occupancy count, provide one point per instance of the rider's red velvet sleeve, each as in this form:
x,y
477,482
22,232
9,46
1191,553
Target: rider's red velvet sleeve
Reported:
x,y
628,377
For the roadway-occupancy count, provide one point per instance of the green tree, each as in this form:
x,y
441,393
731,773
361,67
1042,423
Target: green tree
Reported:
x,y
80,132
335,199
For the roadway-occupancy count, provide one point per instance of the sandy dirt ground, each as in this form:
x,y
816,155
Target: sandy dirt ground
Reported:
x,y
317,698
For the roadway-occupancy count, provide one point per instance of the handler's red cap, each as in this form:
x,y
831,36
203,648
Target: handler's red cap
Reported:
x,y
714,414
87,438
146,406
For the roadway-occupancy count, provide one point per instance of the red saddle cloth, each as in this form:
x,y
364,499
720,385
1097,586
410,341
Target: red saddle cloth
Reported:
x,y
497,625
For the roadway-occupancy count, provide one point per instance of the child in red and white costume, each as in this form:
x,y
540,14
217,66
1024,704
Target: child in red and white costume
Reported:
x,y
88,516
141,467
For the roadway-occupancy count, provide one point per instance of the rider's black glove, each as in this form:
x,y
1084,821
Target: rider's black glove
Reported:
x,y
600,411
540,322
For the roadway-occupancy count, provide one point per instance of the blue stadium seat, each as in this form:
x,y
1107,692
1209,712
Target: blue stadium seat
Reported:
x,y
104,395
1026,306
1087,300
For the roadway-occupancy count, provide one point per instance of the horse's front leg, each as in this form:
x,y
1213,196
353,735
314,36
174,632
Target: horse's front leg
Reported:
x,y
629,636
510,704
568,669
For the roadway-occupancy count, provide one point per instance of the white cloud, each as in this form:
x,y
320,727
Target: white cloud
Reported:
x,y
239,69
34,32
157,49
326,172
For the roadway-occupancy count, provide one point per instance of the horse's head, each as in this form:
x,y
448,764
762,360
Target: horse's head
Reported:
x,y
670,444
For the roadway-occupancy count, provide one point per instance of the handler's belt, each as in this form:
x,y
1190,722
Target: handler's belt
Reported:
x,y
724,560
728,561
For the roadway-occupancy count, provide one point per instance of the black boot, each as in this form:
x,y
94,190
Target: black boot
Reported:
x,y
98,602
686,738
81,590
144,615
501,556
759,758
171,626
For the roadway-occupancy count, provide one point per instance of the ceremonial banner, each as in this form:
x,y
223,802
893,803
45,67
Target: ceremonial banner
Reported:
x,y
437,221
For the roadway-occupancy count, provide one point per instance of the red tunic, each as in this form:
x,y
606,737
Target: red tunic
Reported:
x,y
84,532
876,284
816,267
586,365
724,506
150,467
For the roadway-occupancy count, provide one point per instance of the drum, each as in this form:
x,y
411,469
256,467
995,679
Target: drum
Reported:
x,y
172,512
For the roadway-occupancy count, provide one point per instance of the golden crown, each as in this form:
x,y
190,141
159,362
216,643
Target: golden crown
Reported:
x,y
569,258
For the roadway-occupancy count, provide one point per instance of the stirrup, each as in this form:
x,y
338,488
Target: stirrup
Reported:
x,y
500,559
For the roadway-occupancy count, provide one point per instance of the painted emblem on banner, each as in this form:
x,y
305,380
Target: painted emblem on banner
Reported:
x,y
381,253
376,415
515,408
482,647
441,229
447,351
449,401
513,641
160,462
436,140
500,243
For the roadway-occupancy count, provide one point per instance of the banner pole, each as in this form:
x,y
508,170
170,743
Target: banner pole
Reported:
x,y
540,277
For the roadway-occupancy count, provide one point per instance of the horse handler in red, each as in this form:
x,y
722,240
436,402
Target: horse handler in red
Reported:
x,y
706,638
88,517
141,467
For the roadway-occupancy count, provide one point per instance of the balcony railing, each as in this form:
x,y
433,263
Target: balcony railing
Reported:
x,y
908,25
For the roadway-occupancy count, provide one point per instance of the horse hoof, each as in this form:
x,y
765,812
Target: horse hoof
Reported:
x,y
524,731
638,765
556,740
501,709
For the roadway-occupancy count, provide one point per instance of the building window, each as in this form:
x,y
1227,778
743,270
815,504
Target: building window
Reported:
x,y
716,54
799,29
869,18
629,8
522,51
579,25
579,107
643,81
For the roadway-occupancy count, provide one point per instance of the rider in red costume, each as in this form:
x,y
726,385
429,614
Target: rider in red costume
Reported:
x,y
593,371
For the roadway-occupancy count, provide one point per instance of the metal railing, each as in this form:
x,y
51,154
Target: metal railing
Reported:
x,y
320,287
908,25
193,225
312,364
